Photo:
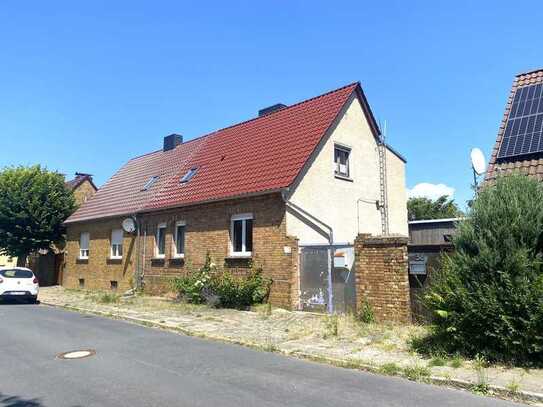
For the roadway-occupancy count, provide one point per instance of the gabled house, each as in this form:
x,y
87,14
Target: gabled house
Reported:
x,y
519,145
313,173
48,266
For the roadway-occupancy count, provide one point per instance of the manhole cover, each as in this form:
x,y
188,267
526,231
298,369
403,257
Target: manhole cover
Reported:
x,y
77,354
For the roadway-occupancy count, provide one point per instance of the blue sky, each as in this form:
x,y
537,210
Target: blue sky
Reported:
x,y
84,87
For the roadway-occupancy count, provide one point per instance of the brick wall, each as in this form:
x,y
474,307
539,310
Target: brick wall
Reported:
x,y
207,231
382,279
99,270
83,192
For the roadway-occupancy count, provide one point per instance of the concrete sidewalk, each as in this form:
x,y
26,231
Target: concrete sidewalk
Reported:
x,y
340,341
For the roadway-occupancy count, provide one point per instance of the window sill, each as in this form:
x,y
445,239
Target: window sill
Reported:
x,y
343,177
248,255
114,260
82,260
176,261
178,256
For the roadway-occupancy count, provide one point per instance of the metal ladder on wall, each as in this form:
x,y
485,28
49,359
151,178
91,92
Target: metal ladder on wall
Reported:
x,y
383,182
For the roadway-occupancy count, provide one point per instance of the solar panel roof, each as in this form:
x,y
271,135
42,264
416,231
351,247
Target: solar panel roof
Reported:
x,y
524,129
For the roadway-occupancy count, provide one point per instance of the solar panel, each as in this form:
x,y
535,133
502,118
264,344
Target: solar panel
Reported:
x,y
524,128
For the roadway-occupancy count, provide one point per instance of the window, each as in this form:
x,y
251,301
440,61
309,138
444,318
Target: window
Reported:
x,y
341,160
190,173
179,239
160,241
84,239
242,235
117,244
150,183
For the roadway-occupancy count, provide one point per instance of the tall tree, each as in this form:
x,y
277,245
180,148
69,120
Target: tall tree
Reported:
x,y
424,208
33,204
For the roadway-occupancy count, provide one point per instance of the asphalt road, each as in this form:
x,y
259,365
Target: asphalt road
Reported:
x,y
138,366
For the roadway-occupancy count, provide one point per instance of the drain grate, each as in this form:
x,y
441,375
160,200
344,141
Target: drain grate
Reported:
x,y
77,354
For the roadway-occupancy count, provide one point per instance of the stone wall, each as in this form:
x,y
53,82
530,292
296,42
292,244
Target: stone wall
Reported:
x,y
382,279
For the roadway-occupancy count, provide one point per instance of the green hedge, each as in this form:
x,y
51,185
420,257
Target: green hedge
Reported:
x,y
487,299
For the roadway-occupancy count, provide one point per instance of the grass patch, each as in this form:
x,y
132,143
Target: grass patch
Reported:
x,y
108,298
456,362
437,361
390,369
416,373
513,386
331,327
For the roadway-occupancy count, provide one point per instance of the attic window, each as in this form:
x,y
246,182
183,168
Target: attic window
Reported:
x,y
190,173
150,182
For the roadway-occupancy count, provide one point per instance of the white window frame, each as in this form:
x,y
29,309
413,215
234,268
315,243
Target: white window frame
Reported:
x,y
243,252
113,247
84,253
337,171
177,224
158,228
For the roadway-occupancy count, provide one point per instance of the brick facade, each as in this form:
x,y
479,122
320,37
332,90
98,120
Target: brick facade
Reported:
x,y
207,231
381,266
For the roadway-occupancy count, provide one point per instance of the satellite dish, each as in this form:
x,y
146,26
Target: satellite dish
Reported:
x,y
129,225
478,162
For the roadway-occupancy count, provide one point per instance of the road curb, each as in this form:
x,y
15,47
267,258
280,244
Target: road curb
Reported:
x,y
494,390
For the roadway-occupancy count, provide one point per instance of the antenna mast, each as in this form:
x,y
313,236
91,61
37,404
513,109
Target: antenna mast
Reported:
x,y
383,180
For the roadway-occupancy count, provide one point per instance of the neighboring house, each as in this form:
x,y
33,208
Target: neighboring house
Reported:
x,y
312,173
428,240
519,145
48,266
82,187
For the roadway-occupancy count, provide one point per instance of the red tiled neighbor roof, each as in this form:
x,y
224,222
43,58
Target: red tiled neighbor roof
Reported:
x,y
260,155
533,165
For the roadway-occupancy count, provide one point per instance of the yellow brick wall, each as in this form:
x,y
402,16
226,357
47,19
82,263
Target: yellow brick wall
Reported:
x,y
83,192
207,230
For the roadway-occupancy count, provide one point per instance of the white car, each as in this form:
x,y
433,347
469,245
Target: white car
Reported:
x,y
18,282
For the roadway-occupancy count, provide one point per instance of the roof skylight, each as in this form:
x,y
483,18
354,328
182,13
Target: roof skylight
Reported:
x,y
150,182
189,174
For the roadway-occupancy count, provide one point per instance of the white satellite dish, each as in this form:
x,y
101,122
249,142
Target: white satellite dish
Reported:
x,y
478,162
129,225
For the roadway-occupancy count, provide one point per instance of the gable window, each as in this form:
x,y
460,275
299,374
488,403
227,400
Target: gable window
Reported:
x,y
241,234
150,183
116,244
160,241
84,240
179,239
189,174
341,160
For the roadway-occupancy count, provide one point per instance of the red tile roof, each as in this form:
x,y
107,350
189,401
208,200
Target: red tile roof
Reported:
x,y
528,165
260,155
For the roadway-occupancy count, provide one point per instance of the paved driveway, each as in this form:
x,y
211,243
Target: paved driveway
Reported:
x,y
138,366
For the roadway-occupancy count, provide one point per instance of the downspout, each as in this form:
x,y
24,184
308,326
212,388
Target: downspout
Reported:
x,y
330,304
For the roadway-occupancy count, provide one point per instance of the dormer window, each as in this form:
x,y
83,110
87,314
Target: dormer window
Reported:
x,y
341,160
150,182
189,174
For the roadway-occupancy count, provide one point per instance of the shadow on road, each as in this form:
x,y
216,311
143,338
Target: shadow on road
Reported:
x,y
15,301
15,401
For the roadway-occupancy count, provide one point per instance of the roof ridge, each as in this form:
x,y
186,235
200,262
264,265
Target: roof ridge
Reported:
x,y
256,118
528,72
282,110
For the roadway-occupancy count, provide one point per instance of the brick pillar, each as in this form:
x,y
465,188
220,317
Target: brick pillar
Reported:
x,y
382,279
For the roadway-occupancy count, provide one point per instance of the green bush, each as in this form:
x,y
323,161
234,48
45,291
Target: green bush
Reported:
x,y
488,297
365,314
240,292
191,287
222,288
